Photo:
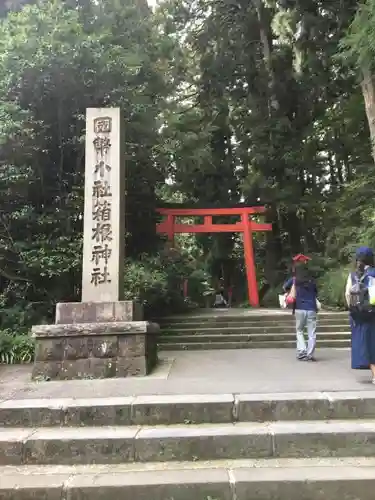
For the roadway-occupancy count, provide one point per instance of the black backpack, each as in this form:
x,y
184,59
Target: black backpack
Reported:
x,y
359,300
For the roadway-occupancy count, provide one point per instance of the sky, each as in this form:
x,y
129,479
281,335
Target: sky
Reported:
x,y
152,3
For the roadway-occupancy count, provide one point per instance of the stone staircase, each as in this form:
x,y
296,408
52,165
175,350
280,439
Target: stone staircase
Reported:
x,y
241,329
303,446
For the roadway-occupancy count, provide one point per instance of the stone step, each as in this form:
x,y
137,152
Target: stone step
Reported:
x,y
241,315
186,409
250,330
303,479
107,445
244,337
248,322
266,344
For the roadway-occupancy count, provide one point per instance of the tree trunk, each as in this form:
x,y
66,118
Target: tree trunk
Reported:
x,y
273,241
265,37
273,272
368,91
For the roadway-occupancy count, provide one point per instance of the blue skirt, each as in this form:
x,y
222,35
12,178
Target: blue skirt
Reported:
x,y
363,342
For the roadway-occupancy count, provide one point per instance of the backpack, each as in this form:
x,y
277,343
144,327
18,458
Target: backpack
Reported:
x,y
362,293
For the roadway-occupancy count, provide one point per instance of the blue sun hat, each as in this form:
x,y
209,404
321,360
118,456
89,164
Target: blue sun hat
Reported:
x,y
364,252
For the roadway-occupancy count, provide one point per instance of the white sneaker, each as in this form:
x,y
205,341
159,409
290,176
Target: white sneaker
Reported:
x,y
373,380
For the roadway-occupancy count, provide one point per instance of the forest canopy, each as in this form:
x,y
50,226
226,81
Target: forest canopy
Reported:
x,y
225,102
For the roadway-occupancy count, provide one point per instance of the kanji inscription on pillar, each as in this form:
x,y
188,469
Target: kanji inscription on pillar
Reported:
x,y
104,230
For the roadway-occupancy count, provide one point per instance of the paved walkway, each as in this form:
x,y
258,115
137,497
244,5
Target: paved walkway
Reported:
x,y
205,372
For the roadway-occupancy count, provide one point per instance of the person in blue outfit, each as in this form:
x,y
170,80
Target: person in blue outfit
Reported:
x,y
362,316
305,306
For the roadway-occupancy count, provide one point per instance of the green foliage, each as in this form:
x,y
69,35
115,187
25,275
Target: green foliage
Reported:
x,y
58,58
229,101
149,285
271,297
358,46
16,348
252,120
351,217
332,288
157,283
199,287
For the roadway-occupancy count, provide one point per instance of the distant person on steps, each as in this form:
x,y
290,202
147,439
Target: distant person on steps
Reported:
x,y
362,315
304,307
220,300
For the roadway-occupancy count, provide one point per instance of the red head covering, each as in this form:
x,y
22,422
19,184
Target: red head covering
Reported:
x,y
301,258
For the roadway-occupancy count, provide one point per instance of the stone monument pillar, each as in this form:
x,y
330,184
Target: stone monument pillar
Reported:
x,y
102,336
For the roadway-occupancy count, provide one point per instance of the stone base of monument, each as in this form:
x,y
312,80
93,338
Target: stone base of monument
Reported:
x,y
95,340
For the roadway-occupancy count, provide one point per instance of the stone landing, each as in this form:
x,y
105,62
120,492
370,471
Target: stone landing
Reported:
x,y
95,340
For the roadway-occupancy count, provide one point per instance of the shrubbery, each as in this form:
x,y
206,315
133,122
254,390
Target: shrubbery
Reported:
x,y
157,283
16,348
271,297
332,287
16,344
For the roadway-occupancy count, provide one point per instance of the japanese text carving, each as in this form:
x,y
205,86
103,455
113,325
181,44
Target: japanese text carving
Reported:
x,y
101,207
102,211
101,167
102,145
99,276
102,232
101,253
102,125
101,189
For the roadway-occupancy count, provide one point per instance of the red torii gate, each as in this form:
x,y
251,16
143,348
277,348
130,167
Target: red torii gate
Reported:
x,y
245,226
